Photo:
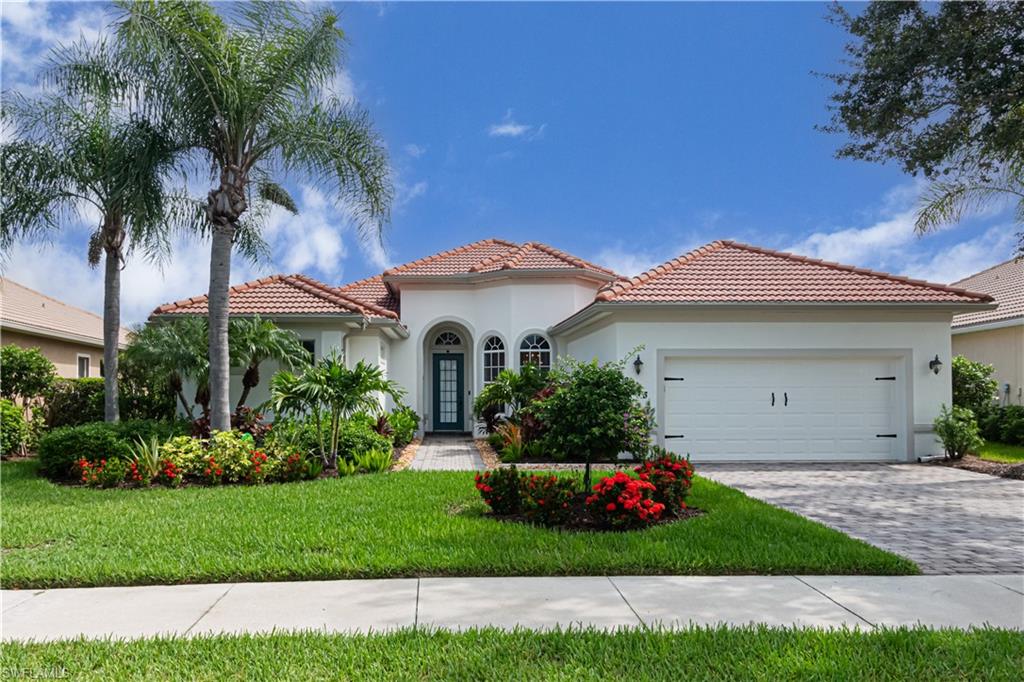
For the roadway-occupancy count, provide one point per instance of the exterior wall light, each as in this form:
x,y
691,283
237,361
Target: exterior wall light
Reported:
x,y
638,364
935,365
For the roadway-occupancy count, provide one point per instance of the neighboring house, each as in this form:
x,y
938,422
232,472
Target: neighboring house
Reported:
x,y
71,338
748,354
996,337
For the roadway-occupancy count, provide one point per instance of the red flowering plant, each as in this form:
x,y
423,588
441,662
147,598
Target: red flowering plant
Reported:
x,y
212,471
500,489
102,473
293,468
169,473
621,501
546,498
258,472
672,477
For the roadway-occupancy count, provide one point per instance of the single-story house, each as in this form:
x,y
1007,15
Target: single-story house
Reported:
x,y
71,338
746,353
996,336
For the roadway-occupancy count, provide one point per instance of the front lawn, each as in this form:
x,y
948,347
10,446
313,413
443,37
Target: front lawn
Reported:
x,y
1001,452
750,653
380,525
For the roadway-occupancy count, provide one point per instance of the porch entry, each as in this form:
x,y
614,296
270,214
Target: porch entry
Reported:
x,y
449,392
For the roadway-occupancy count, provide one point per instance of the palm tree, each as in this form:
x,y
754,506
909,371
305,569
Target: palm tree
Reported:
x,y
254,340
176,349
247,94
74,154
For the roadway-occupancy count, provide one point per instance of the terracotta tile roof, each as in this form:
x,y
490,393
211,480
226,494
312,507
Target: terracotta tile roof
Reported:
x,y
282,295
372,291
1005,283
30,311
493,255
730,272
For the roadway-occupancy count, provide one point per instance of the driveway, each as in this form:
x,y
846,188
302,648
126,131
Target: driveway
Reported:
x,y
946,520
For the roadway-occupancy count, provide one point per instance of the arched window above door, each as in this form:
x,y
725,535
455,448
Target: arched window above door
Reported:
x,y
447,339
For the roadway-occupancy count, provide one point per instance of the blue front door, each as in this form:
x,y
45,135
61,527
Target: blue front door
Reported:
x,y
448,392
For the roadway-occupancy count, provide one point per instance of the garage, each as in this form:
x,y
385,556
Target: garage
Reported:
x,y
806,407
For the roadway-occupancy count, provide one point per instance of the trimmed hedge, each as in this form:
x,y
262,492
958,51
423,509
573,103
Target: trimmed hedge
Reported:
x,y
63,446
73,402
13,430
1003,424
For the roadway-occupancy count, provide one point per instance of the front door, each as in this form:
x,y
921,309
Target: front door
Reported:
x,y
448,392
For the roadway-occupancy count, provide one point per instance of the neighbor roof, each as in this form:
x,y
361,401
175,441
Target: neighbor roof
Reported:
x,y
1005,283
26,310
730,272
282,295
495,255
372,291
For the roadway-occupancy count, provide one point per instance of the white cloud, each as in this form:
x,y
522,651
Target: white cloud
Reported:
x,y
509,127
964,258
414,150
342,86
631,262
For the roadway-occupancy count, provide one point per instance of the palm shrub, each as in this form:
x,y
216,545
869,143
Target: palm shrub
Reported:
x,y
254,340
958,431
510,390
404,422
246,93
175,349
373,461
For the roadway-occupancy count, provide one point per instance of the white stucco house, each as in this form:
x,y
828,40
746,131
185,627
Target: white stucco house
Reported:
x,y
748,353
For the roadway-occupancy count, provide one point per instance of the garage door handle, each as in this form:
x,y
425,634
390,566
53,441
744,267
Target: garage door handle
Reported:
x,y
773,398
886,435
785,399
679,436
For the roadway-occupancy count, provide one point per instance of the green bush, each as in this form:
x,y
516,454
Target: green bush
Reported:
x,y
187,454
292,434
233,453
13,430
1011,428
404,422
72,402
374,461
973,385
501,490
27,373
958,432
62,447
356,437
102,473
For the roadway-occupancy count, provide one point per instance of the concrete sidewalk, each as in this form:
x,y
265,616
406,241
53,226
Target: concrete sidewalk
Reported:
x,y
541,603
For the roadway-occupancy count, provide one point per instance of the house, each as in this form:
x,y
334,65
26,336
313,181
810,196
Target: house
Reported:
x,y
71,338
996,337
745,353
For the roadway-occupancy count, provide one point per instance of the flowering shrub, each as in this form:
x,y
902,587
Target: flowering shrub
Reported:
x,y
292,467
137,475
672,477
212,472
170,473
621,501
500,490
546,498
258,471
233,452
186,453
102,473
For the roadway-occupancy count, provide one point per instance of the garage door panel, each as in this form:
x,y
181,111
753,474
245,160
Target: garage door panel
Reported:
x,y
825,408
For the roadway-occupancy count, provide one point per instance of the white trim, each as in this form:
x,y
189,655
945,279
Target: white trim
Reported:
x,y
424,369
986,326
479,351
78,365
48,333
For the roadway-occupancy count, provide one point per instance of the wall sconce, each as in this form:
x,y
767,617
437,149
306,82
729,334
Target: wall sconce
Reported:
x,y
935,365
638,364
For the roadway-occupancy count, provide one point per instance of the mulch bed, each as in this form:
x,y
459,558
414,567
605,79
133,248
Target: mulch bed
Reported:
x,y
984,466
581,520
487,453
404,457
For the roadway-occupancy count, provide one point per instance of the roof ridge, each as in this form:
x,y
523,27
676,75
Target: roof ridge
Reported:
x,y
988,269
238,288
398,269
332,295
613,289
862,271
357,282
571,259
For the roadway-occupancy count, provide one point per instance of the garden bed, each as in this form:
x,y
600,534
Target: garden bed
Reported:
x,y
579,518
1014,470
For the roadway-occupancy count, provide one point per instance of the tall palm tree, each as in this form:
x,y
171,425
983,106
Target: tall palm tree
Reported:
x,y
75,154
254,340
246,91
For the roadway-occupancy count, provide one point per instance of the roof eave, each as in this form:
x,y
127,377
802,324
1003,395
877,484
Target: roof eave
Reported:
x,y
986,325
60,335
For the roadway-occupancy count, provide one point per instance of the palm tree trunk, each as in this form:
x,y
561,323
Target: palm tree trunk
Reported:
x,y
220,362
111,333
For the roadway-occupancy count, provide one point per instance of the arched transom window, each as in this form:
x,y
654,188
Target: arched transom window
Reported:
x,y
535,350
494,358
447,339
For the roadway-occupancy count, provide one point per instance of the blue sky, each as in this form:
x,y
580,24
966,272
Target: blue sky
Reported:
x,y
623,133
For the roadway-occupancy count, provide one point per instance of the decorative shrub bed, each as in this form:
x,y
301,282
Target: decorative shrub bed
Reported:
x,y
656,494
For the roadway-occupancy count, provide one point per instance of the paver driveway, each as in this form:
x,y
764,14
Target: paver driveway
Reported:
x,y
946,520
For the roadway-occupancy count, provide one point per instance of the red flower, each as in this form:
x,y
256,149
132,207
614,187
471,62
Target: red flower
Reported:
x,y
610,506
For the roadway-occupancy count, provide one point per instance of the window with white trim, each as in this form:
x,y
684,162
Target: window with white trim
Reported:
x,y
494,358
535,350
448,339
83,366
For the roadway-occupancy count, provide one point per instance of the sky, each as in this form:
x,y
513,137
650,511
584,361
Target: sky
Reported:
x,y
626,134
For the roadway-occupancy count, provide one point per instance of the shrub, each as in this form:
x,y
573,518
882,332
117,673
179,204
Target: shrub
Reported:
x,y
170,473
187,454
133,430
72,402
233,453
512,442
145,465
500,490
293,435
374,461
621,501
61,448
13,430
1011,425
496,441
990,422
102,473
27,373
258,467
958,431
356,437
404,422
243,420
672,477
546,498
973,385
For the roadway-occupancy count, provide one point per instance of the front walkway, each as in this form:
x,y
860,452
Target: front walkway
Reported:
x,y
447,453
946,520
539,603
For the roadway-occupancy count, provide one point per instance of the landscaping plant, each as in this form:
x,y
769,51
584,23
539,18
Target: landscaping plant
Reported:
x,y
103,472
973,385
621,501
510,391
958,431
373,461
146,459
671,475
546,498
501,490
404,422
13,430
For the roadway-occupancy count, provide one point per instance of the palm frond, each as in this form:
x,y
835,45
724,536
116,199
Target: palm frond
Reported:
x,y
277,195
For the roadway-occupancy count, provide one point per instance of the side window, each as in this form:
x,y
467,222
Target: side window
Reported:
x,y
83,366
494,358
310,346
535,350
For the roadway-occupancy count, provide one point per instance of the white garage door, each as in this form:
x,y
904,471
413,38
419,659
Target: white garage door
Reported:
x,y
791,408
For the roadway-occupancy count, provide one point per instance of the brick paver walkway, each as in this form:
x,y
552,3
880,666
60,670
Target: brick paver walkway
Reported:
x,y
447,453
946,520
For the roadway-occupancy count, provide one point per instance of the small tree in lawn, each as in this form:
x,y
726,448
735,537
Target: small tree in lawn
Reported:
x,y
589,410
25,374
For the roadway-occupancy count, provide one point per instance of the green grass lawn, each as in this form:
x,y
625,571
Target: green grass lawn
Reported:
x,y
1001,452
383,525
754,653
